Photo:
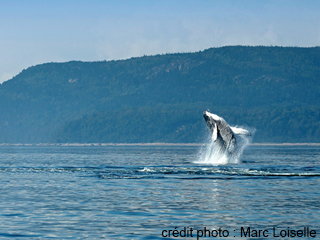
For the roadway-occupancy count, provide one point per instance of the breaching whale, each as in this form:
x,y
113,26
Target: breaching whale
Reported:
x,y
222,133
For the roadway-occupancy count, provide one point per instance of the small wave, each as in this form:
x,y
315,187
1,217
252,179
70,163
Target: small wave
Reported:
x,y
146,170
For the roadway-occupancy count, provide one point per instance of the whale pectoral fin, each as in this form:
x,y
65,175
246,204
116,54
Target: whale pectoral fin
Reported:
x,y
232,146
215,132
240,131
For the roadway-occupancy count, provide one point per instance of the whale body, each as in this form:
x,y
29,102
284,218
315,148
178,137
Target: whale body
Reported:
x,y
222,134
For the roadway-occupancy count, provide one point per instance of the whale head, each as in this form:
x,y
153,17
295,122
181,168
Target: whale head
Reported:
x,y
211,120
208,116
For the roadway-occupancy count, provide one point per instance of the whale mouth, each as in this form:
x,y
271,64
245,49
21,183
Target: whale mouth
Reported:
x,y
205,115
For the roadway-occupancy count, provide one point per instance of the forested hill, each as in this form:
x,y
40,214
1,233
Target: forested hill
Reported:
x,y
275,90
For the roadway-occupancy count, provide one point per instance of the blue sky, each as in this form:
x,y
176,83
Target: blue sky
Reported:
x,y
38,31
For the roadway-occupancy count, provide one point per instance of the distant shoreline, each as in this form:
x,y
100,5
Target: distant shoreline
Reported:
x,y
145,144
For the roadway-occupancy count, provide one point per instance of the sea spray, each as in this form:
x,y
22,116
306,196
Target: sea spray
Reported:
x,y
210,152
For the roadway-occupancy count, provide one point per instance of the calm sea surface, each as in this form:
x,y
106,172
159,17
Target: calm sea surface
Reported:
x,y
143,192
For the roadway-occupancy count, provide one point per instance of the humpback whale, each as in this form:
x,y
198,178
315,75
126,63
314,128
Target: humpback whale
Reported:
x,y
222,134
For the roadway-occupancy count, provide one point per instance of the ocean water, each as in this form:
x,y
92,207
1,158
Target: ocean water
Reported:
x,y
146,192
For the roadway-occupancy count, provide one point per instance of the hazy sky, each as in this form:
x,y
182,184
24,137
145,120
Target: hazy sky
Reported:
x,y
39,31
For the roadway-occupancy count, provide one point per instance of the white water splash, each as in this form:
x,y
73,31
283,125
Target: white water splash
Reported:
x,y
211,154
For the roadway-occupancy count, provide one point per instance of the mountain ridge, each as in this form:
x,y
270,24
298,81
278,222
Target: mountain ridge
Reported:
x,y
273,89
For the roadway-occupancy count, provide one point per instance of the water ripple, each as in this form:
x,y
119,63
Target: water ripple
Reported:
x,y
161,172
